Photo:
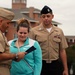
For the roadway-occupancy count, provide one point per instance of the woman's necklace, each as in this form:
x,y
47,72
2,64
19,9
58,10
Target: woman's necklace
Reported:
x,y
18,46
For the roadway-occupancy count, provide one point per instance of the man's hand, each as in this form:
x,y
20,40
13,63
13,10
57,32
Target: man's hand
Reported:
x,y
20,55
65,72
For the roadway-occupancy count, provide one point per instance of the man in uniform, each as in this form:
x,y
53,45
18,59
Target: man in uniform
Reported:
x,y
5,20
53,44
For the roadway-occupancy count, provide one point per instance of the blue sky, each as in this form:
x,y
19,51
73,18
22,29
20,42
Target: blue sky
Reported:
x,y
64,11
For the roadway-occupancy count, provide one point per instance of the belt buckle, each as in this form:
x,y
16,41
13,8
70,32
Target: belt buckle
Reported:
x,y
48,61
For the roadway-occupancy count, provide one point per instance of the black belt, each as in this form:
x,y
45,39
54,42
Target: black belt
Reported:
x,y
53,61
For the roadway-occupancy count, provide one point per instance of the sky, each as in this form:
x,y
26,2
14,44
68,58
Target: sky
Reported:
x,y
63,10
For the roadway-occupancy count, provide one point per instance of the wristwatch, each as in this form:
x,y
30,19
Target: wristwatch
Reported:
x,y
16,57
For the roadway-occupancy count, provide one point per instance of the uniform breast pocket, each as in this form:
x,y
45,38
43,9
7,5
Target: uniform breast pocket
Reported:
x,y
57,40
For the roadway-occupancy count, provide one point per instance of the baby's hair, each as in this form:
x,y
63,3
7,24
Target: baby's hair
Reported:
x,y
23,23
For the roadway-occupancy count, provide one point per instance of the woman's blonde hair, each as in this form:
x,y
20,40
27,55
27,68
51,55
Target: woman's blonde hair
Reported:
x,y
23,23
22,20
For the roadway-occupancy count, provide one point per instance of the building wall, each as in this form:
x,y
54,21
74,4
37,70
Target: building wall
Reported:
x,y
31,10
18,6
10,33
70,40
36,16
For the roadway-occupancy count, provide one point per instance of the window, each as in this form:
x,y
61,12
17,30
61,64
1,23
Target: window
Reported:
x,y
70,40
13,1
23,1
16,1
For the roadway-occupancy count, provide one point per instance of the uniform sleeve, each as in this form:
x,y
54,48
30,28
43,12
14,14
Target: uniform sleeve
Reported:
x,y
1,48
37,59
63,43
4,47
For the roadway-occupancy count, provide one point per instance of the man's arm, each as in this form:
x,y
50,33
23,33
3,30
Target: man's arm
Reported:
x,y
8,56
64,61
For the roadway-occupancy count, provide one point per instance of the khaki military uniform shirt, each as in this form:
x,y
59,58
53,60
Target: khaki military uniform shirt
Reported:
x,y
50,42
4,47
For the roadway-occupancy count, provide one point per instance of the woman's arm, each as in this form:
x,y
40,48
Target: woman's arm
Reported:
x,y
38,59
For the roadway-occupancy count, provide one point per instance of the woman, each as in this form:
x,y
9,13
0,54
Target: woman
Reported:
x,y
32,62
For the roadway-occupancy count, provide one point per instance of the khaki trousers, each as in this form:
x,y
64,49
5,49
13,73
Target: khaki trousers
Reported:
x,y
4,71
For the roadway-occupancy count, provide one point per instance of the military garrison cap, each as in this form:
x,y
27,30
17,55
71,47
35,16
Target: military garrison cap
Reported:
x,y
46,10
6,14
